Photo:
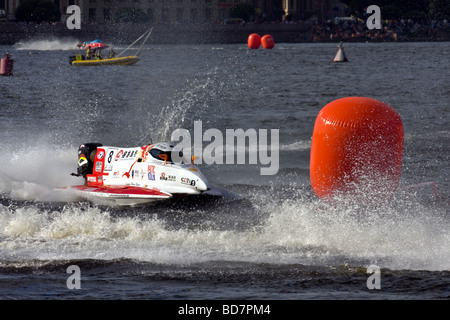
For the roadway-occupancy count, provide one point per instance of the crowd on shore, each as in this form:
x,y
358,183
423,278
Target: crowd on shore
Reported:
x,y
391,30
347,29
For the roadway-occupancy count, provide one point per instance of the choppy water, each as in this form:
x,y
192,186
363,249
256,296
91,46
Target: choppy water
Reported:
x,y
269,237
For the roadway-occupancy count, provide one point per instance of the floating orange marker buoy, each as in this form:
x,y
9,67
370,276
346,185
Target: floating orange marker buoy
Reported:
x,y
356,150
254,41
267,41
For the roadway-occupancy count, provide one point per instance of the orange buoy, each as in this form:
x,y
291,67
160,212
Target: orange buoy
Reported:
x,y
254,41
267,41
356,150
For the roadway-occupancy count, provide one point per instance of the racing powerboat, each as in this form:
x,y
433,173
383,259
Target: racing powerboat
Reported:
x,y
132,176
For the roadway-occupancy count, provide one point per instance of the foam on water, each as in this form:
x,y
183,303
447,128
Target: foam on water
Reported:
x,y
32,172
405,236
297,145
47,44
299,231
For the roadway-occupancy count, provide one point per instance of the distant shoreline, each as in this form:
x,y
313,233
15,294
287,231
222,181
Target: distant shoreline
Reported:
x,y
13,32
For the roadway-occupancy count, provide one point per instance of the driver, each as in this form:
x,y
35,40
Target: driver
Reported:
x,y
86,158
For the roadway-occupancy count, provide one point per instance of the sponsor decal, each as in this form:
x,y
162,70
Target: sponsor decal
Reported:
x,y
127,154
144,152
151,172
188,181
119,154
167,177
113,195
91,179
98,166
100,155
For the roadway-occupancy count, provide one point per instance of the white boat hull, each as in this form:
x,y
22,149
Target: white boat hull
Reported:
x,y
130,176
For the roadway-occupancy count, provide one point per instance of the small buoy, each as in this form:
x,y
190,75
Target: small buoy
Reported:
x,y
356,150
267,41
340,55
6,65
254,41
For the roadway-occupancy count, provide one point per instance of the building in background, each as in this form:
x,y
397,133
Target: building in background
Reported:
x,y
7,9
188,11
322,10
176,11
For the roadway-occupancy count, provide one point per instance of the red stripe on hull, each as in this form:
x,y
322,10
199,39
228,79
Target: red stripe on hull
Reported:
x,y
124,190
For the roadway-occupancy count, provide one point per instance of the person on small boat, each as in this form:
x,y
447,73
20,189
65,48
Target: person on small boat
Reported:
x,y
112,53
88,53
98,54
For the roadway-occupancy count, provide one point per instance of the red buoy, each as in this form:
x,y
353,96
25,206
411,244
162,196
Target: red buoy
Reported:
x,y
6,65
267,41
254,41
356,150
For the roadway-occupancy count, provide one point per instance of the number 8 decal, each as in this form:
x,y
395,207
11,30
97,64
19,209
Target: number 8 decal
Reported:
x,y
110,156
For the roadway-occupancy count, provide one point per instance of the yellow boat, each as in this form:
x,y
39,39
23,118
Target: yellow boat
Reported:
x,y
96,58
122,61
